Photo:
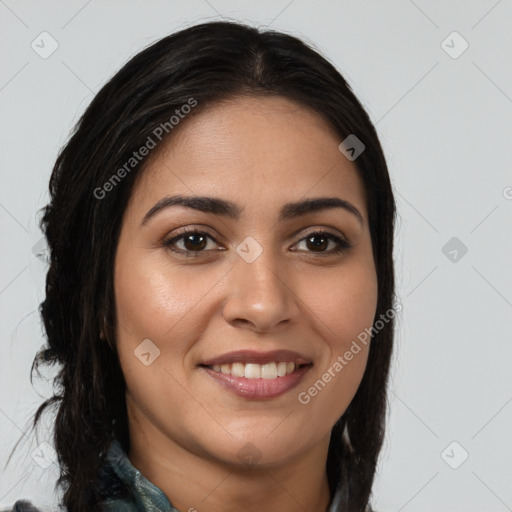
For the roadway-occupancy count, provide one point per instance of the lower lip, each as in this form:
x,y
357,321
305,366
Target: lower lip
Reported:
x,y
259,389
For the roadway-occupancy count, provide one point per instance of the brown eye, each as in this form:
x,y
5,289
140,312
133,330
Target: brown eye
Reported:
x,y
194,242
319,241
191,242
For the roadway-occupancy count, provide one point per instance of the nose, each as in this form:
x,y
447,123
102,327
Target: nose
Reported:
x,y
261,294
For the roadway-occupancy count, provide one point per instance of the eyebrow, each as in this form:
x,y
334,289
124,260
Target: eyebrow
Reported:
x,y
231,210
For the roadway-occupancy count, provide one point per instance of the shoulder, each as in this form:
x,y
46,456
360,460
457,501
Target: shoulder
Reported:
x,y
27,506
23,506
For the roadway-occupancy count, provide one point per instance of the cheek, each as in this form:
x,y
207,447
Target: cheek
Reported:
x,y
344,306
149,306
169,307
344,302
150,339
156,301
147,299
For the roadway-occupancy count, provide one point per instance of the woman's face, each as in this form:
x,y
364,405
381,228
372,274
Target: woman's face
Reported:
x,y
192,310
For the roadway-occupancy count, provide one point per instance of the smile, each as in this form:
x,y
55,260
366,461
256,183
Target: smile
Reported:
x,y
258,386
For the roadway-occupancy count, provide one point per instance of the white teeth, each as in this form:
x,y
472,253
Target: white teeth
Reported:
x,y
269,371
252,371
281,369
256,371
237,369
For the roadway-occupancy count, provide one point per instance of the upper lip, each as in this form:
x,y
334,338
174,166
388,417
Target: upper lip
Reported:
x,y
252,356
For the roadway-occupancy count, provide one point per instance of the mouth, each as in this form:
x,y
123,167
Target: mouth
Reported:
x,y
258,376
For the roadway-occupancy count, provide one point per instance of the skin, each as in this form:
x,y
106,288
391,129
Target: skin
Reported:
x,y
185,429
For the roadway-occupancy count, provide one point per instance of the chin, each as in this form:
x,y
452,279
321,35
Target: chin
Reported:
x,y
262,447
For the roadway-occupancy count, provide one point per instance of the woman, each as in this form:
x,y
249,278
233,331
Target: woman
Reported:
x,y
221,284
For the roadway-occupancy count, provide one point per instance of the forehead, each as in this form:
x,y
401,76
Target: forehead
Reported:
x,y
252,149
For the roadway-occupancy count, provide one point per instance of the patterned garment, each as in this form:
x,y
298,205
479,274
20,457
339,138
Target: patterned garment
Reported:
x,y
127,490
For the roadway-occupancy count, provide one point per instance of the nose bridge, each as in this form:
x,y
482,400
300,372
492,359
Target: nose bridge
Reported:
x,y
260,274
257,291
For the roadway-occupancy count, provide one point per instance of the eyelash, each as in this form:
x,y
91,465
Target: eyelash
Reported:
x,y
343,245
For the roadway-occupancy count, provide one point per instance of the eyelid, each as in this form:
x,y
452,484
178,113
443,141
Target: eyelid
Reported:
x,y
325,230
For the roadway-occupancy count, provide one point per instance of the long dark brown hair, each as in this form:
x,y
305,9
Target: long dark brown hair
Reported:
x,y
208,62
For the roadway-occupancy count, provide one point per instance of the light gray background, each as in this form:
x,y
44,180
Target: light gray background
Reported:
x,y
445,124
